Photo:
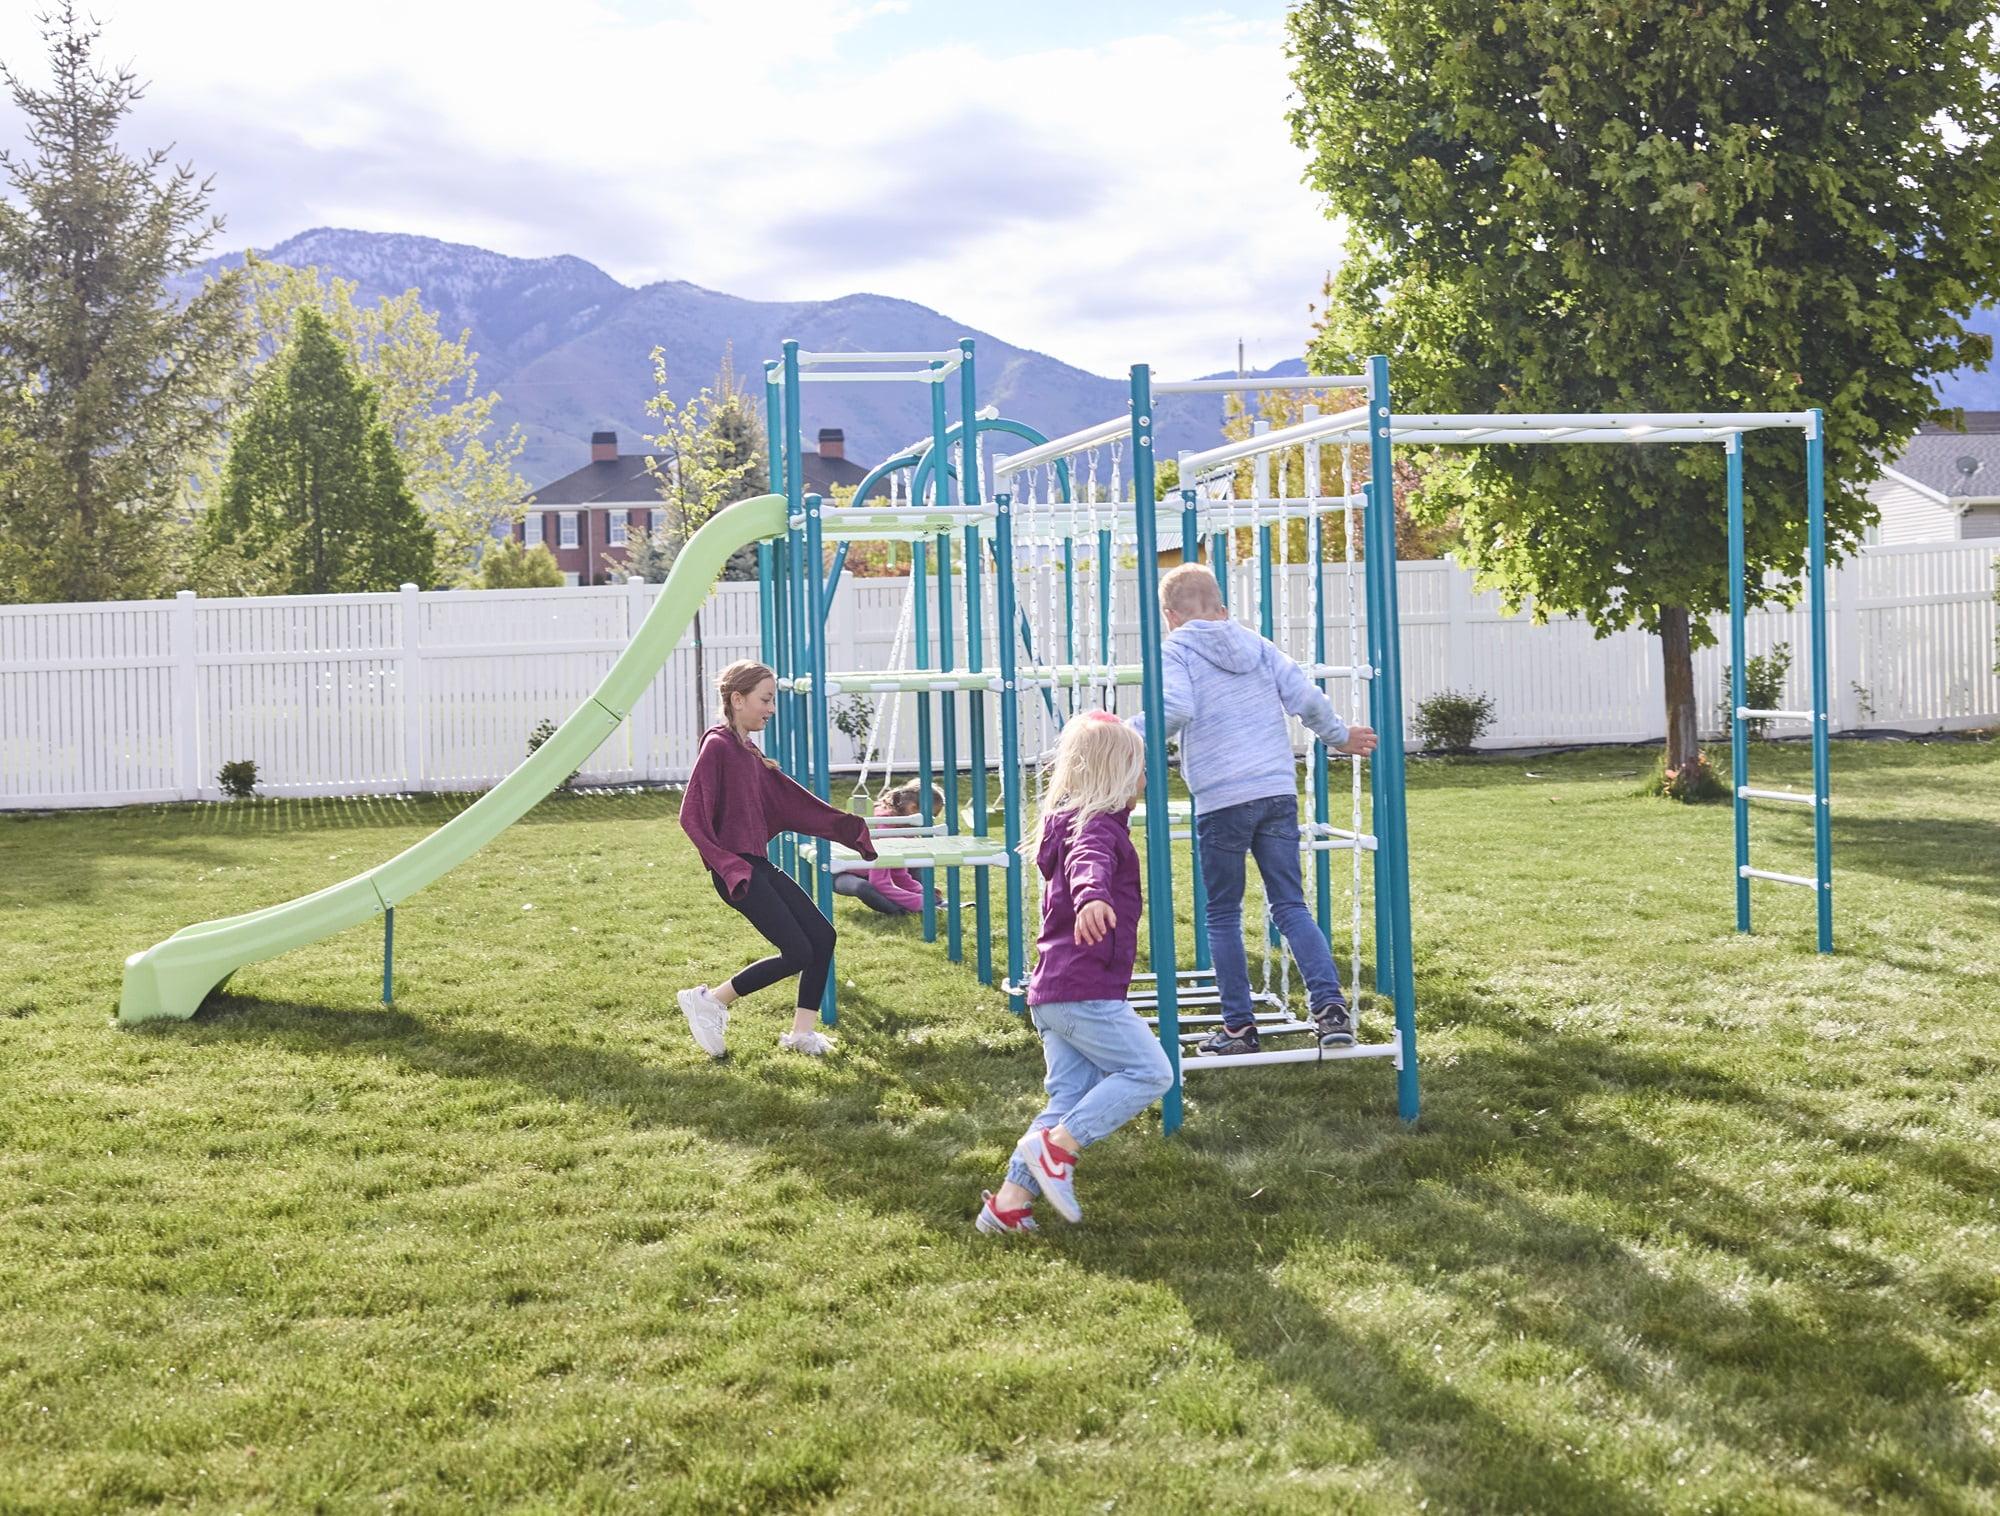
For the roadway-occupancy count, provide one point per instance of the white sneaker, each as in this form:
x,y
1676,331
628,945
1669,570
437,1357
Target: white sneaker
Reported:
x,y
812,1044
707,1018
1055,1174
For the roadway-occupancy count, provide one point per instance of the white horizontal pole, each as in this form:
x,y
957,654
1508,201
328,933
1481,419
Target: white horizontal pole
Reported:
x,y
1264,1028
1748,712
945,355
1061,447
968,861
1799,879
1718,422
1195,464
1289,1055
1793,796
1247,384
862,376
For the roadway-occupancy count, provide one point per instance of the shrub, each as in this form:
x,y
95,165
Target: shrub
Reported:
x,y
851,715
1451,722
238,779
1763,687
542,733
1694,782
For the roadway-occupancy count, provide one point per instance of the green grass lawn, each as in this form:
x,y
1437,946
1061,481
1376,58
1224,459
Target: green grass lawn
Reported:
x,y
1692,1221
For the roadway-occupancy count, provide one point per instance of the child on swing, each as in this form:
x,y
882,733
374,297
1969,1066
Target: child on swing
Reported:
x,y
1104,1064
1227,692
737,800
893,892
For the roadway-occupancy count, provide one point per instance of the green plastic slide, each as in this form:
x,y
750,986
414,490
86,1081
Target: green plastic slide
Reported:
x,y
172,978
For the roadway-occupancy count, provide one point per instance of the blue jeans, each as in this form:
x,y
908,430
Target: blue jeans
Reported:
x,y
1268,830
1105,1067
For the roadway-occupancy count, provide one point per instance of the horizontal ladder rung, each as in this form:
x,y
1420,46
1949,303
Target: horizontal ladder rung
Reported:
x,y
1800,880
1791,796
1749,713
1264,1029
1291,1055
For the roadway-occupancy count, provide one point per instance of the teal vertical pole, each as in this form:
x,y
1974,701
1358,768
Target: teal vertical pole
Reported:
x,y
1267,621
975,653
1010,757
769,581
1190,551
389,956
1218,559
1739,750
804,741
954,945
829,1005
971,492
1392,852
1816,601
1321,768
1069,611
1159,825
1106,646
926,802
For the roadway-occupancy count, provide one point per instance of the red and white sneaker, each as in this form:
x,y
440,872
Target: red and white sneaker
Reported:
x,y
1054,1169
993,1219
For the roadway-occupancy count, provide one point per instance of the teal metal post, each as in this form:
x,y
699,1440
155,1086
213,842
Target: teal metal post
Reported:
x,y
954,929
1010,758
1190,551
782,850
1159,826
1739,751
1816,600
1106,647
971,492
1267,621
829,1005
926,802
389,956
1069,609
1392,853
1321,768
1218,559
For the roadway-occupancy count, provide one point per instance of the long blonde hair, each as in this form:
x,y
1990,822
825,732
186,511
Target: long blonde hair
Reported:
x,y
1100,765
738,680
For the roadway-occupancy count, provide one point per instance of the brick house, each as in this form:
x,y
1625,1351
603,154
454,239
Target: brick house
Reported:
x,y
589,514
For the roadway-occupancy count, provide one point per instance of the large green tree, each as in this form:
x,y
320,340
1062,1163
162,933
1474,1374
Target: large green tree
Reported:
x,y
459,466
313,499
109,385
1606,205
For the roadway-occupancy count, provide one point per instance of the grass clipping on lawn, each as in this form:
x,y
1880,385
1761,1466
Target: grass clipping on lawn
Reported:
x,y
1692,1221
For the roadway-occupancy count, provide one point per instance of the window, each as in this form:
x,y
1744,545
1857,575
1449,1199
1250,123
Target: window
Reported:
x,y
531,529
566,522
569,579
617,529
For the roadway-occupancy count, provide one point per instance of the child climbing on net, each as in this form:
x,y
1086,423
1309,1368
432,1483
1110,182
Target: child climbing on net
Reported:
x,y
1227,692
893,892
1104,1063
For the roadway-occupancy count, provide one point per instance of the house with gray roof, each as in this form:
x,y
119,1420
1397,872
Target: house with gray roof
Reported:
x,y
1945,487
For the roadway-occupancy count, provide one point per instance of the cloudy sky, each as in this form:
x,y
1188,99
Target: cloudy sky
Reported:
x,y
1106,180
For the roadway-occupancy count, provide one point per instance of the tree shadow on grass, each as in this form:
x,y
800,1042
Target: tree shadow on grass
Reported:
x,y
1958,853
1482,1212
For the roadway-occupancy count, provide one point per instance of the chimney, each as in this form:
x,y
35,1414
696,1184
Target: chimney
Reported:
x,y
832,442
603,447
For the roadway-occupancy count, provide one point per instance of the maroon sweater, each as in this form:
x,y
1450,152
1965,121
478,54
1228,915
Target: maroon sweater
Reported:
x,y
735,804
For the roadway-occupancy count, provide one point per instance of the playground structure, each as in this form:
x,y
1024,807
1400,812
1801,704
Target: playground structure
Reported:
x,y
1034,527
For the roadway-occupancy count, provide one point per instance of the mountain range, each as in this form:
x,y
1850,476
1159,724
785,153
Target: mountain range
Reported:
x,y
567,346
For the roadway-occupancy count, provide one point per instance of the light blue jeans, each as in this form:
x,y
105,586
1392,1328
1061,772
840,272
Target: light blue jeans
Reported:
x,y
1105,1066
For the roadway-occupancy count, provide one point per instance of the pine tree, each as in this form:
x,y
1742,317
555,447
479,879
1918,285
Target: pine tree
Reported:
x,y
313,496
109,386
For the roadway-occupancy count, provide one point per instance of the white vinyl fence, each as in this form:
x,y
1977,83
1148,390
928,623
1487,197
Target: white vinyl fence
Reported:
x,y
123,702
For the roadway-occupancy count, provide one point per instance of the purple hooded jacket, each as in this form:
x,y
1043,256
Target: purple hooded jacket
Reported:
x,y
1101,865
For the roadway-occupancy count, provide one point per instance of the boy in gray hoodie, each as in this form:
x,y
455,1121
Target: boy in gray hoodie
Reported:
x,y
1227,693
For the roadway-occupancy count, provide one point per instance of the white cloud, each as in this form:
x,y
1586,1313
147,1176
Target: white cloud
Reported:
x,y
1123,199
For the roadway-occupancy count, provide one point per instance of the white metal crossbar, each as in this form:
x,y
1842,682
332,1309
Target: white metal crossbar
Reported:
x,y
1749,712
1390,1050
1798,879
1791,796
1248,385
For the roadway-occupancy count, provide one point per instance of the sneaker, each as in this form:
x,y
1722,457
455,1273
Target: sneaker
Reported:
x,y
812,1044
1336,1025
993,1219
707,1018
1054,1171
1222,1041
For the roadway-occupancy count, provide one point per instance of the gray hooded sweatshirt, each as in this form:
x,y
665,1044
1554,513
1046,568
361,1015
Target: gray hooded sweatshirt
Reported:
x,y
1227,694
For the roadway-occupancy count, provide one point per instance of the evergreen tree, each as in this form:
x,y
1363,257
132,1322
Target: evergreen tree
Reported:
x,y
313,495
1562,205
109,386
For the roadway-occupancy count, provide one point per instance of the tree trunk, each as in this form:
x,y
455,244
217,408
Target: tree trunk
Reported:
x,y
700,679
1677,664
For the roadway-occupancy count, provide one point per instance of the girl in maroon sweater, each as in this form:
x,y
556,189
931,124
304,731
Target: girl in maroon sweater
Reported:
x,y
736,802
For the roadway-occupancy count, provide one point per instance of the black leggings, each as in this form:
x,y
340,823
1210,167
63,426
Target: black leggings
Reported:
x,y
774,904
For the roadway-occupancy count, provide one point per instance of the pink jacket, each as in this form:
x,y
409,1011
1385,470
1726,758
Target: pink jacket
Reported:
x,y
735,804
900,886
